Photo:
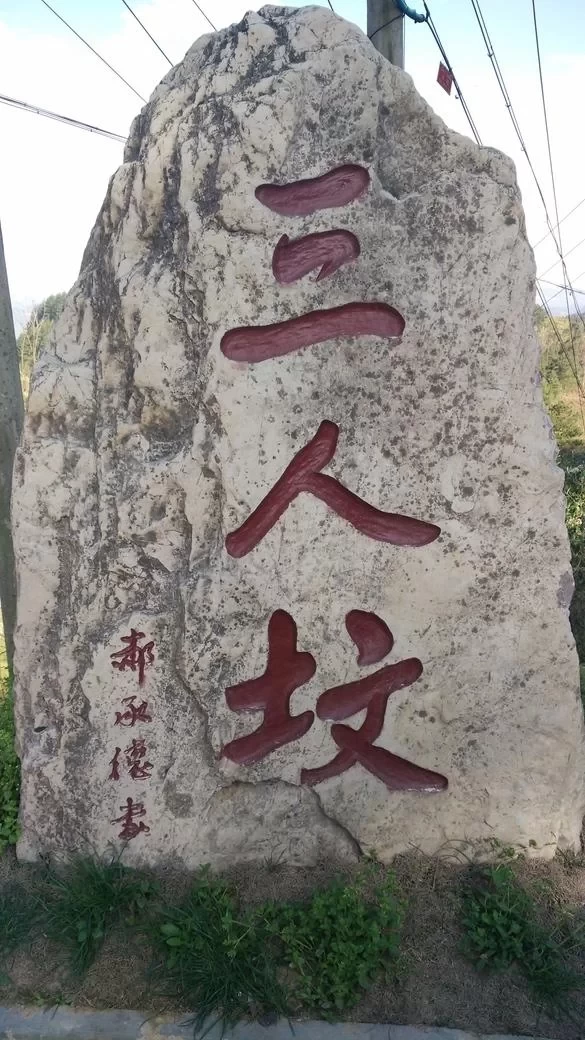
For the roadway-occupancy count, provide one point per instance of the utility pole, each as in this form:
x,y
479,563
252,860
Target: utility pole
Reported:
x,y
386,29
11,420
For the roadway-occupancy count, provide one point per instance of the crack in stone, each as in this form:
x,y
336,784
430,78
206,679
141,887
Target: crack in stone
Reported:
x,y
336,823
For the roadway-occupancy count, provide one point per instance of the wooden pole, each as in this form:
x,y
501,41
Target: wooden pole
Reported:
x,y
386,30
11,420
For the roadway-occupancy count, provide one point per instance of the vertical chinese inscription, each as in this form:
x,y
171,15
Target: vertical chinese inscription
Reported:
x,y
132,761
287,668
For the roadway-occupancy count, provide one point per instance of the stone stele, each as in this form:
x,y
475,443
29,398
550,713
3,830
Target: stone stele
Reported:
x,y
155,430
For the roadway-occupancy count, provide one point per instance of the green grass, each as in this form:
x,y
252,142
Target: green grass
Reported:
x,y
217,959
80,903
338,944
281,957
9,768
18,916
504,928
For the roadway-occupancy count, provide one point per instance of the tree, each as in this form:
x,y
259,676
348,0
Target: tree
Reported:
x,y
35,334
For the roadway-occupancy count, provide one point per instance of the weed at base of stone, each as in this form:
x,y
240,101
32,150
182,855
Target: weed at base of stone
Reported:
x,y
9,765
503,929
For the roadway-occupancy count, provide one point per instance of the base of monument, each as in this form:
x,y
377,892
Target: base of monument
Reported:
x,y
25,1023
436,983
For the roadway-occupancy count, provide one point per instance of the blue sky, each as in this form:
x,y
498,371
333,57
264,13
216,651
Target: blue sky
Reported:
x,y
53,184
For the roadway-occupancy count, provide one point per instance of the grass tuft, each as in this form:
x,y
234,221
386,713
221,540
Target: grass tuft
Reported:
x,y
503,929
18,916
81,902
219,960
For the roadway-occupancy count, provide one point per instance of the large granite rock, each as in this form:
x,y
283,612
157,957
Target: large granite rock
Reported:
x,y
162,416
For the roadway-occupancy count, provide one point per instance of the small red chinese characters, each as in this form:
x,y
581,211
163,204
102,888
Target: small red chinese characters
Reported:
x,y
134,656
133,713
288,669
135,755
133,761
131,829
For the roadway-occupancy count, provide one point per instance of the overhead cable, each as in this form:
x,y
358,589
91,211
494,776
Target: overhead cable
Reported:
x,y
508,102
464,105
573,367
93,50
201,11
561,221
554,185
26,107
142,26
551,229
580,292
568,253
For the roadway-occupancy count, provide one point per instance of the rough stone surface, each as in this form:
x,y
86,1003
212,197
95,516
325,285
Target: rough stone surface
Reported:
x,y
144,446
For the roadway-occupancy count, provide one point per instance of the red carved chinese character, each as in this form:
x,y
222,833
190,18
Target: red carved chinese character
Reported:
x,y
258,343
303,474
135,753
134,713
115,764
370,634
299,199
328,250
131,829
286,669
371,693
134,656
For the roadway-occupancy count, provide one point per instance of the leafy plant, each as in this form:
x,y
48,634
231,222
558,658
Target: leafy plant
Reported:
x,y
9,770
339,942
218,960
502,929
85,899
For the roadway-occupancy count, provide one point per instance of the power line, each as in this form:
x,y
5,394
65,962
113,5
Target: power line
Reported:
x,y
545,305
383,26
554,186
134,15
93,50
437,40
568,253
580,292
561,221
562,346
551,230
572,290
201,11
24,105
330,5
